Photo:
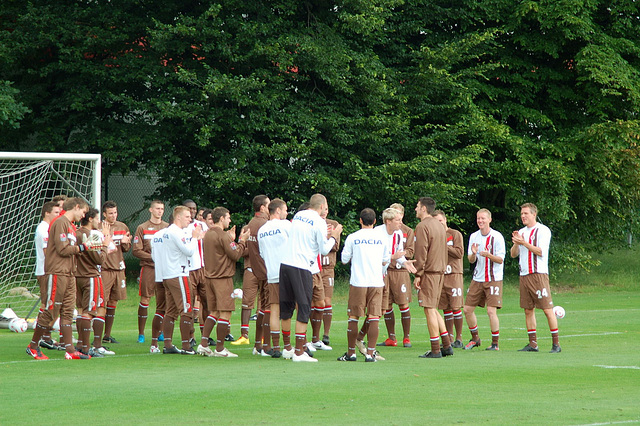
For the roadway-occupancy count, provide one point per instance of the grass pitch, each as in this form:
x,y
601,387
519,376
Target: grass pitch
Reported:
x,y
595,380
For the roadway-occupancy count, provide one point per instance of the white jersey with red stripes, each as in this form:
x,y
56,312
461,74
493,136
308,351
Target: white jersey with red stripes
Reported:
x,y
395,242
41,239
197,260
487,270
538,235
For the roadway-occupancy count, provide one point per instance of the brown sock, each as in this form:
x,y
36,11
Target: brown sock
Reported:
x,y
167,329
266,331
109,319
474,333
533,339
405,319
209,323
352,335
143,312
316,323
446,340
301,340
156,327
222,331
244,322
555,338
327,317
448,321
364,330
259,320
435,344
390,323
372,335
495,336
85,324
457,323
275,339
286,339
98,328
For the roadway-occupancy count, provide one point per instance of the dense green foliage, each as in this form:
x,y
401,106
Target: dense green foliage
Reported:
x,y
475,103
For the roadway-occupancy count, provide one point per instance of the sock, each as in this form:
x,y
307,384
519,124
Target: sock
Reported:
x,y
156,327
266,331
435,344
316,323
209,323
372,335
448,320
109,319
222,331
555,338
474,333
405,318
244,322
352,334
301,340
327,317
457,322
446,341
275,338
167,329
66,336
259,321
286,340
98,328
364,330
142,317
495,336
390,322
532,338
186,325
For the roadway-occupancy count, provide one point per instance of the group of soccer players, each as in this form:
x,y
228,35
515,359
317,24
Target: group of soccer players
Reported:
x,y
189,265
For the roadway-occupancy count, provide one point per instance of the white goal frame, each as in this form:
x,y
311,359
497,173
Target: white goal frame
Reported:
x,y
17,263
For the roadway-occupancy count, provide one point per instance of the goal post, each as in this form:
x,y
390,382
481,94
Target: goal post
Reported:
x,y
27,181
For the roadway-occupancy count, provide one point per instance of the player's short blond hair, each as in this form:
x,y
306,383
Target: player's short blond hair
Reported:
x,y
485,211
398,206
439,212
390,214
532,208
180,211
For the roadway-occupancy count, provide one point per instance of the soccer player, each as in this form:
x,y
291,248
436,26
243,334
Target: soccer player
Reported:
x,y
172,247
196,272
59,267
307,240
90,291
487,249
221,254
328,263
263,333
113,276
50,210
369,253
431,262
142,250
272,237
452,299
397,279
254,278
531,245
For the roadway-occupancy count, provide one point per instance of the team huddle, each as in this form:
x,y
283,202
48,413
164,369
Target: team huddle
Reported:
x,y
189,265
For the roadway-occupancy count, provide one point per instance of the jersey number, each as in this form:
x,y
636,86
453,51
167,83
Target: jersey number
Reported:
x,y
456,292
495,291
403,288
542,293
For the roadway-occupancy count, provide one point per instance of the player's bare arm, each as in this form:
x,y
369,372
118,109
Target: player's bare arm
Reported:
x,y
474,252
491,257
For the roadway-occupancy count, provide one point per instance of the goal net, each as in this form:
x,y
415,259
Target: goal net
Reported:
x,y
27,181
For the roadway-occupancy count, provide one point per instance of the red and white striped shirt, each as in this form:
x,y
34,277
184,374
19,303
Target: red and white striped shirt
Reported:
x,y
493,242
538,235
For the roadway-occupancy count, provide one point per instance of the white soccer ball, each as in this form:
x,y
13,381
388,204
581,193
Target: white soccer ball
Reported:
x,y
18,325
237,293
559,311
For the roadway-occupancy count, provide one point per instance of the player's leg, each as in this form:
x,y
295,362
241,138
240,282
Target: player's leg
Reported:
x,y
168,324
475,297
274,320
158,317
374,310
389,316
225,305
528,299
317,311
249,291
327,313
287,306
266,319
553,328
302,284
494,302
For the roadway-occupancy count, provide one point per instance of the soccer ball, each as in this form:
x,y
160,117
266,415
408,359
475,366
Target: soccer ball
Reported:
x,y
237,293
18,325
559,311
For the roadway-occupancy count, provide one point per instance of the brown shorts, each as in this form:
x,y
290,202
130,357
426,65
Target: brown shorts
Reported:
x,y
219,294
178,295
318,290
327,282
273,291
430,290
535,291
115,285
365,301
198,288
147,282
399,287
249,290
452,288
89,295
62,297
484,294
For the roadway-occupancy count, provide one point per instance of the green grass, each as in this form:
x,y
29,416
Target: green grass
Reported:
x,y
594,380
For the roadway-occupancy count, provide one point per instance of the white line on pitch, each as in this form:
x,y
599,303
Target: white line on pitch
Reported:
x,y
628,367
